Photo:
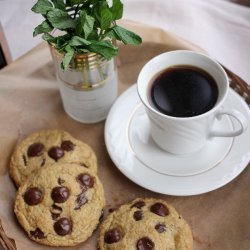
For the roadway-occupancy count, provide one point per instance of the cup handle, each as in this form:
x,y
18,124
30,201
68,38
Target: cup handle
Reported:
x,y
236,115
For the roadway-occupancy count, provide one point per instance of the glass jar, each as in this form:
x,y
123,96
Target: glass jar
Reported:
x,y
88,87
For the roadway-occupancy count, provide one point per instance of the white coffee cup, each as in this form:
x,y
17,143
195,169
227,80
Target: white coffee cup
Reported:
x,y
183,135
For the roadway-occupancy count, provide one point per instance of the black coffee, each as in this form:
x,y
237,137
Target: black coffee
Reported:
x,y
184,91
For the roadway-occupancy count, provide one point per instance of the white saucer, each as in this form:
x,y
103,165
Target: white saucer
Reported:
x,y
135,154
166,163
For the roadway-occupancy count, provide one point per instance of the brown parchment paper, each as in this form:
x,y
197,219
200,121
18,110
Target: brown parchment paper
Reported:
x,y
30,100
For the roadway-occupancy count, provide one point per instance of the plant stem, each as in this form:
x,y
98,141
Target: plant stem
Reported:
x,y
76,11
102,32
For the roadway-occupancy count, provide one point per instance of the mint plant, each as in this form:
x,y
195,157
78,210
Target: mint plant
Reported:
x,y
86,26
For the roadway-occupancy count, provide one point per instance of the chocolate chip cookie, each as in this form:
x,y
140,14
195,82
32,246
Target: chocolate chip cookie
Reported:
x,y
60,205
145,224
47,147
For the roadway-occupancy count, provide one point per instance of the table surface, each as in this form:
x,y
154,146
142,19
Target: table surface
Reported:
x,y
30,100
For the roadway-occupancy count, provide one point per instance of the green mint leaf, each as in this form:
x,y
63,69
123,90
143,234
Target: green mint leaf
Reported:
x,y
42,7
58,42
44,27
104,48
78,41
82,50
93,35
67,57
126,36
68,3
111,34
47,37
73,2
85,24
62,41
103,14
59,4
60,19
93,1
88,25
117,9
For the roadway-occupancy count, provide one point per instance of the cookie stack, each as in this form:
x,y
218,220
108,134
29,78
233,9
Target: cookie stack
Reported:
x,y
60,198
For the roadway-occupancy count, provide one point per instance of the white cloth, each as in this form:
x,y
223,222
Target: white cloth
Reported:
x,y
220,27
18,22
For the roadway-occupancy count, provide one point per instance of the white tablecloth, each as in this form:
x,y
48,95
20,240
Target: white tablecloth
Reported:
x,y
220,27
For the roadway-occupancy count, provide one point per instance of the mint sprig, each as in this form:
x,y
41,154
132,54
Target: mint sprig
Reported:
x,y
86,25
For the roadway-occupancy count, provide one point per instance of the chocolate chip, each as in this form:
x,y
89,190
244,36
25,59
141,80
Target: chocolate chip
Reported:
x,y
60,194
145,244
60,181
24,160
38,234
55,211
111,210
85,180
67,146
63,226
139,204
35,149
80,200
137,215
43,162
33,196
56,153
112,236
159,209
160,228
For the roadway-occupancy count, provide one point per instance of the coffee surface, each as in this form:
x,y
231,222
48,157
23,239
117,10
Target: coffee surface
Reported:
x,y
183,91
